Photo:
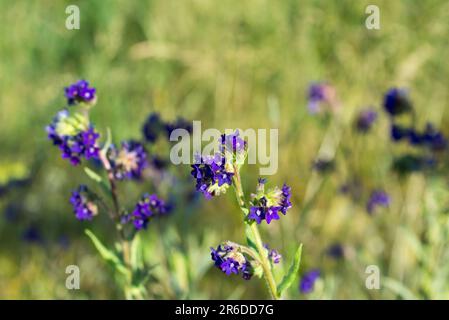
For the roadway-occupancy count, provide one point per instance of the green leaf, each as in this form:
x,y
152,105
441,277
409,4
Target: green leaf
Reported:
x,y
98,179
136,252
93,175
107,255
290,277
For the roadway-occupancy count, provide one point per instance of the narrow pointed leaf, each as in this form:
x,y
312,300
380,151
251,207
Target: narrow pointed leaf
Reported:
x,y
107,255
290,277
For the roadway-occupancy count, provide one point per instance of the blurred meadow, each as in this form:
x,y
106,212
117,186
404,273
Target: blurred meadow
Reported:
x,y
229,64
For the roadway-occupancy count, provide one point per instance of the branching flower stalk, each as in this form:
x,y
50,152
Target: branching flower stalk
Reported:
x,y
78,141
267,270
115,216
214,174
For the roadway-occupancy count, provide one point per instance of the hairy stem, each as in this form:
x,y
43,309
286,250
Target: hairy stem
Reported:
x,y
266,266
116,217
265,263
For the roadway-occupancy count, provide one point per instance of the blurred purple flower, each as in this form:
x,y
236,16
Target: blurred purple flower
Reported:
x,y
83,208
73,137
396,101
148,207
32,235
336,251
308,280
378,198
152,127
129,161
365,120
320,94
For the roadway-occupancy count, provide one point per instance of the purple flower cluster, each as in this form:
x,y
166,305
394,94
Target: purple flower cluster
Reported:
x,y
430,138
212,176
149,206
397,102
285,198
80,92
263,212
74,138
129,161
179,123
266,206
377,198
83,208
229,261
154,126
365,120
308,280
232,143
430,141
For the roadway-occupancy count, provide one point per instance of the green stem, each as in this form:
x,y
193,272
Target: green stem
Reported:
x,y
266,266
115,215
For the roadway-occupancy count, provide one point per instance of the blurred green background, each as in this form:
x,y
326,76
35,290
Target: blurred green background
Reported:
x,y
230,64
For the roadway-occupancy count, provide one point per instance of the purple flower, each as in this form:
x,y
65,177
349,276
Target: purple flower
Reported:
x,y
233,143
273,254
320,94
83,208
148,207
129,161
430,137
267,205
230,266
81,145
179,123
230,261
211,175
51,128
79,92
271,213
377,198
285,199
216,257
308,280
396,102
224,177
74,136
433,139
247,271
365,120
152,127
257,214
398,133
